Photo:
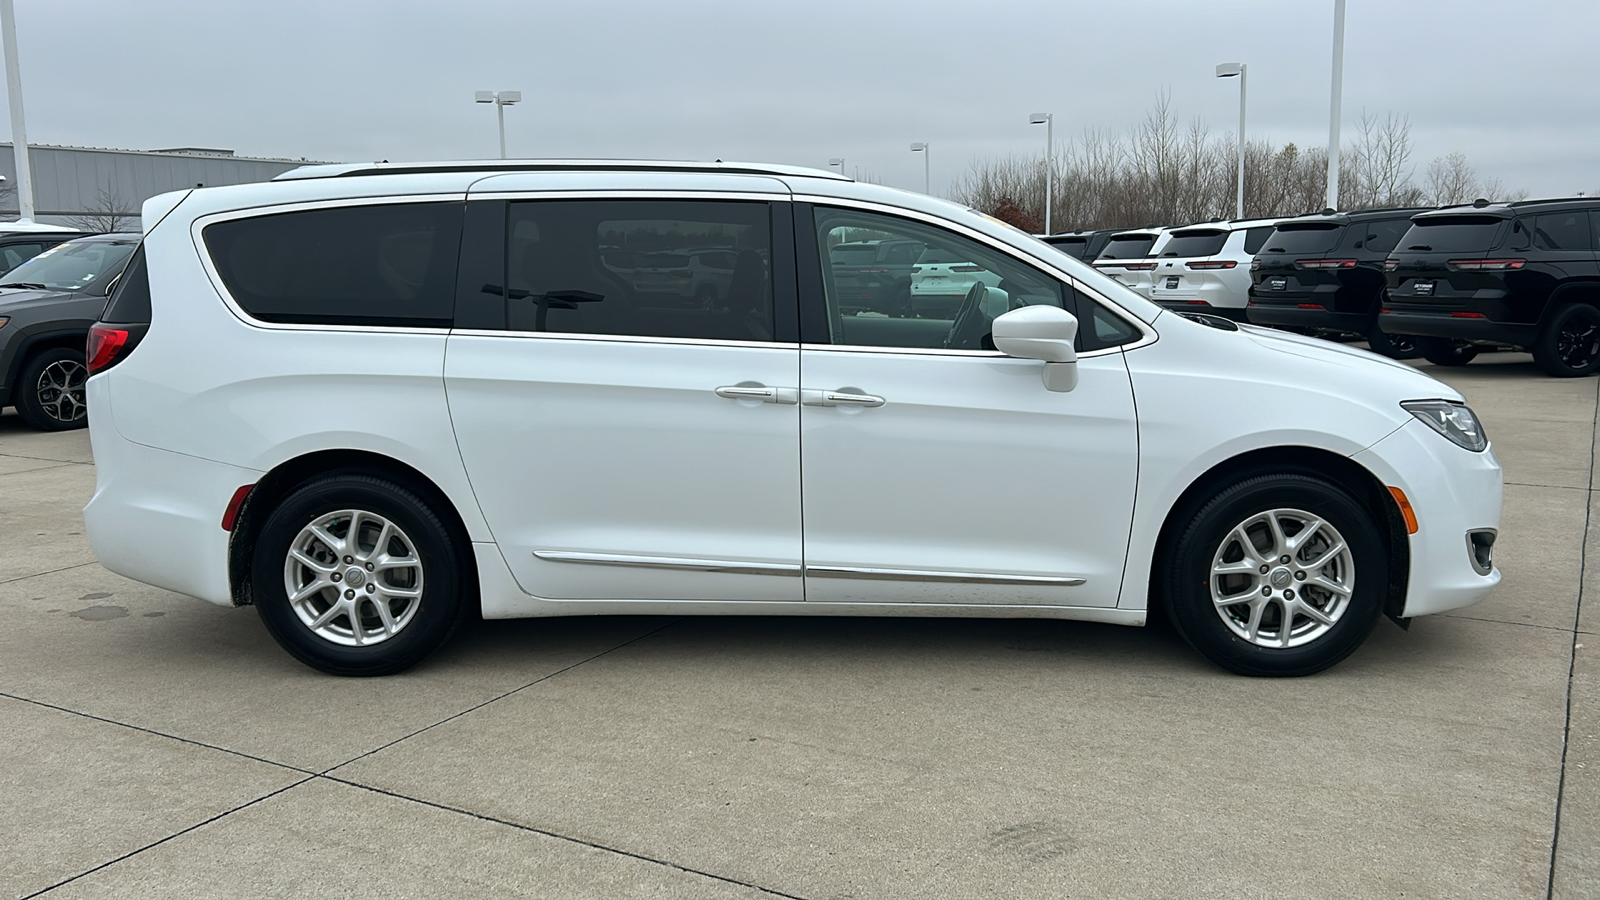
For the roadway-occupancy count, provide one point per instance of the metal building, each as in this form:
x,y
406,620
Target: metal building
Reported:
x,y
71,184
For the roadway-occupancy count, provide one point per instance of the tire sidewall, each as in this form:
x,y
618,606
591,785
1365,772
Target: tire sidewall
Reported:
x,y
1546,351
27,400
1189,576
441,605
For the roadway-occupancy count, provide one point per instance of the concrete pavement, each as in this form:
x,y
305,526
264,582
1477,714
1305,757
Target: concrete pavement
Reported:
x,y
156,745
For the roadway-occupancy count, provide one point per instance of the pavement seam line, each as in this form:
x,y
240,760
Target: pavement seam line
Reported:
x,y
498,698
70,462
152,731
1572,662
1503,622
564,837
51,572
175,834
58,465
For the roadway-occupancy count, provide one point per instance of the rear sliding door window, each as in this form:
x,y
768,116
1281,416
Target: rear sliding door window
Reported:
x,y
382,264
647,268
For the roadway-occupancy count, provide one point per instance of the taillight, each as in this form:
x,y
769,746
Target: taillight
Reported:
x,y
106,343
1141,267
1487,265
1310,306
1255,263
966,268
1213,264
1469,315
1389,265
1325,263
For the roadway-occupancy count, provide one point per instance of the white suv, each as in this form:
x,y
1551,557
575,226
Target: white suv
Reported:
x,y
373,400
1206,268
1127,257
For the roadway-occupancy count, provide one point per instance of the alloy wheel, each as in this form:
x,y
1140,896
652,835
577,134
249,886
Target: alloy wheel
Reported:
x,y
353,577
1578,341
60,390
1282,578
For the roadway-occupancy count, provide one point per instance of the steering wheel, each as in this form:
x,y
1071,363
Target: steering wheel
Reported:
x,y
971,324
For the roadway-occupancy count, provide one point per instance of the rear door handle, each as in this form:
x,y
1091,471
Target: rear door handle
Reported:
x,y
751,391
842,397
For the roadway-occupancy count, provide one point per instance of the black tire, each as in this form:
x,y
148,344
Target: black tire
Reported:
x,y
1569,346
1394,346
49,394
1446,352
1205,535
435,615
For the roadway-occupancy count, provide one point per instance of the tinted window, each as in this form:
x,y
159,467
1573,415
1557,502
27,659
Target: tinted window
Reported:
x,y
1594,228
1381,237
1303,237
1185,244
1075,247
855,254
75,265
352,265
130,299
1450,234
566,273
1129,246
13,255
1256,237
1562,231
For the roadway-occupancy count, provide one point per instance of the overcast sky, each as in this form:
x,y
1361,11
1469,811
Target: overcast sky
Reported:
x,y
1511,84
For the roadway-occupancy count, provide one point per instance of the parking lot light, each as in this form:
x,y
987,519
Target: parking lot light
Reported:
x,y
922,146
1048,120
501,100
1228,70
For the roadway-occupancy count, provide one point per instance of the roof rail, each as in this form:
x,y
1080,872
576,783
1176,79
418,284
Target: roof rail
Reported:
x,y
496,166
1547,200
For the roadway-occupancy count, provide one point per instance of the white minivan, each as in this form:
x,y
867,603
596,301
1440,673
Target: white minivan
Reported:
x,y
371,400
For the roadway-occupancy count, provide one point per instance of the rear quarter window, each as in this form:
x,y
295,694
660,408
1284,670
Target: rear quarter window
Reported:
x,y
1255,238
382,264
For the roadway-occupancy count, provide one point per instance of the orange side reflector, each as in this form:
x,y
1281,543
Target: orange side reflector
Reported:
x,y
1405,509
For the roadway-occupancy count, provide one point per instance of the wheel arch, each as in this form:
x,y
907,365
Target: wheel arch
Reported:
x,y
1344,472
1577,290
30,344
283,478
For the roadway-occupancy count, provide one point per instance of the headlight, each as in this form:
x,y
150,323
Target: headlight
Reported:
x,y
1453,420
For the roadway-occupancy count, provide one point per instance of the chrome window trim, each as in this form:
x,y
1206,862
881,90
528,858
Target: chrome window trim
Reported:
x,y
628,194
617,338
865,573
199,225
1147,334
730,567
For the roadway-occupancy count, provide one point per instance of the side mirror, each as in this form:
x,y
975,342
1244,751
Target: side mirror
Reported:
x,y
1041,332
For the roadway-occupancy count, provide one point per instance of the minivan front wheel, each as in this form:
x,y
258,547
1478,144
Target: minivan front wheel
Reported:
x,y
50,390
1570,344
1278,575
356,575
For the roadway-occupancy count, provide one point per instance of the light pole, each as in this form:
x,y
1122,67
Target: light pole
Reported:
x,y
1048,120
837,161
1228,70
501,100
19,136
922,146
1334,104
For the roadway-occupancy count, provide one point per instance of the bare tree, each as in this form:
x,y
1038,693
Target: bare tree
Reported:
x,y
109,212
1377,170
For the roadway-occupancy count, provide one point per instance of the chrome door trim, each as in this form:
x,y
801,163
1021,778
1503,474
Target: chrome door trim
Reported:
x,y
616,338
731,567
870,574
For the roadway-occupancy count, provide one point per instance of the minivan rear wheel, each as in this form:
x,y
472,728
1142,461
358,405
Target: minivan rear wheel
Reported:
x,y
1277,575
356,575
50,390
1446,352
1569,347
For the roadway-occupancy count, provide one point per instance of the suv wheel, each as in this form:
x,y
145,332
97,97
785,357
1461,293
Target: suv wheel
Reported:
x,y
1394,346
1277,575
356,575
50,392
1446,352
1570,344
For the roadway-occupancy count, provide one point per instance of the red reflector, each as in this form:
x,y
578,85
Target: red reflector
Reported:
x,y
1197,303
1255,263
1310,306
1213,264
1325,263
1385,310
1488,265
230,516
1469,315
104,343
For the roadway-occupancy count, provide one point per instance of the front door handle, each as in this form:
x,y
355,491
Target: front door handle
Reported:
x,y
755,391
841,397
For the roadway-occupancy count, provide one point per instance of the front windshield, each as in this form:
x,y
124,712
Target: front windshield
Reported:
x,y
73,266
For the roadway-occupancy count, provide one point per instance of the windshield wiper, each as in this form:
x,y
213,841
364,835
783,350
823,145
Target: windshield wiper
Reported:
x,y
30,285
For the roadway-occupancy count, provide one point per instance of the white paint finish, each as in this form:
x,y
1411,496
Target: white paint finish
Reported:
x,y
971,465
624,447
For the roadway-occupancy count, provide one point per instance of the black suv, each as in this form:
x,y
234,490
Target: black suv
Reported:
x,y
1084,245
1522,273
1323,274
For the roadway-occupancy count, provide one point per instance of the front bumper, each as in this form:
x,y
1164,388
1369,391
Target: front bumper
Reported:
x,y
1454,492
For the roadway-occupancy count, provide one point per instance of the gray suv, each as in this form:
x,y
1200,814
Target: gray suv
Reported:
x,y
46,307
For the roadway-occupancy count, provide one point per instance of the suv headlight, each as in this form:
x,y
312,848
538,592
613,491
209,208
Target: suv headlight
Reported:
x,y
1453,420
